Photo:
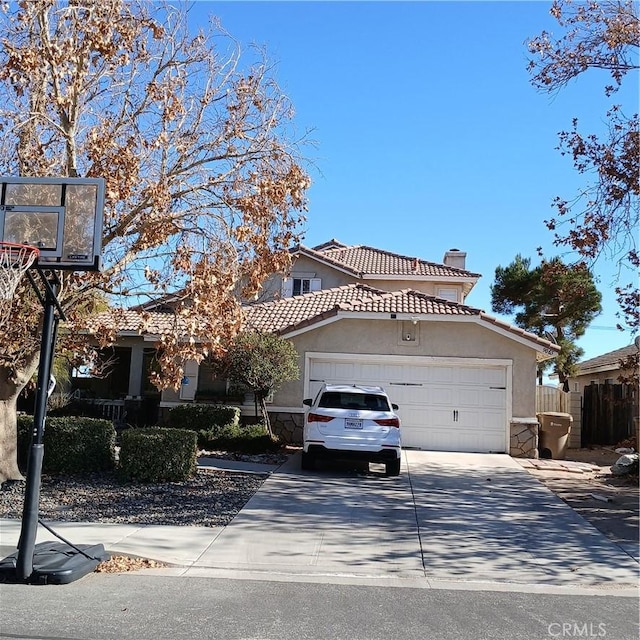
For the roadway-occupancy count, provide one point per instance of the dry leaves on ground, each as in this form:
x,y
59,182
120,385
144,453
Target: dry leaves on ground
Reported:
x,y
121,564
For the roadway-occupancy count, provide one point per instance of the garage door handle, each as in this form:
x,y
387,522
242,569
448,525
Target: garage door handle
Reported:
x,y
455,415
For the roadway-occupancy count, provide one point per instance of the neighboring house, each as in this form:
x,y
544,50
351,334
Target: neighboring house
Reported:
x,y
464,380
608,409
604,369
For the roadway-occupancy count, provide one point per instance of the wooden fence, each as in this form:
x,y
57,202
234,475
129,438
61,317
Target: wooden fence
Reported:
x,y
550,398
607,413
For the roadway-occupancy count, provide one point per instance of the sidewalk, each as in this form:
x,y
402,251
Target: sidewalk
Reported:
x,y
454,520
173,545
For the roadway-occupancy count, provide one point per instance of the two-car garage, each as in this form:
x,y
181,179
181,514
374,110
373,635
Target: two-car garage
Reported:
x,y
445,404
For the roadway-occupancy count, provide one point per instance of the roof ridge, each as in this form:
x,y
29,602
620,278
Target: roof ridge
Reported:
x,y
322,255
405,257
429,296
319,292
402,256
328,243
610,357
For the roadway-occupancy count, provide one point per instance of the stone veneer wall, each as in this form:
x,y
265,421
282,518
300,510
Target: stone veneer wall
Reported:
x,y
288,426
524,438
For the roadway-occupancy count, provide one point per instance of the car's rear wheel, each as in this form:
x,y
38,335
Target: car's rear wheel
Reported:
x,y
392,468
308,461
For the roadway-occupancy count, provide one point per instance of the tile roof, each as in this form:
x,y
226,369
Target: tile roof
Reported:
x,y
367,261
607,361
139,322
289,314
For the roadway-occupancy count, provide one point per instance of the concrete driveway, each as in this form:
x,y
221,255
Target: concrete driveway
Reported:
x,y
447,517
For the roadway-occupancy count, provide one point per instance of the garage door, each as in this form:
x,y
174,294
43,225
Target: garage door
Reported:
x,y
455,404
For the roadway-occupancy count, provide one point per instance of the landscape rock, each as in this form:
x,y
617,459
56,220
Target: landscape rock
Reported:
x,y
626,464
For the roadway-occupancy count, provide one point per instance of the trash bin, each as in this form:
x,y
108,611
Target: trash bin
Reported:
x,y
553,436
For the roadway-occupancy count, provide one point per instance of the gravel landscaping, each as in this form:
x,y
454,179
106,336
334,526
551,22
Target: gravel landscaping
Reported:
x,y
210,499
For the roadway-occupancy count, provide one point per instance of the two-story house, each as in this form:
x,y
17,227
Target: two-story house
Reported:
x,y
464,380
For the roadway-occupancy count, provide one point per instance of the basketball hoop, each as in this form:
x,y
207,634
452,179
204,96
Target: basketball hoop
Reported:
x,y
15,259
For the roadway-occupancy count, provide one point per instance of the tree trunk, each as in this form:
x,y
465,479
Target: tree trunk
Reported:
x,y
9,391
265,414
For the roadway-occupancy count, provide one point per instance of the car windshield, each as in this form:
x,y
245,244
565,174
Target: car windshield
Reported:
x,y
346,400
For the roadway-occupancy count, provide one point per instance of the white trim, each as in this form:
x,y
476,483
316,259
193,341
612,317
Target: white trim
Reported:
x,y
529,342
528,420
605,368
315,325
346,270
363,275
421,278
373,315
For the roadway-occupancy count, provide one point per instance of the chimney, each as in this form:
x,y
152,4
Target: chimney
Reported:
x,y
455,258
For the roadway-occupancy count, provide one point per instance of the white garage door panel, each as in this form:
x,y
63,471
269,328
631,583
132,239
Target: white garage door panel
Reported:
x,y
371,371
454,440
450,407
346,370
439,374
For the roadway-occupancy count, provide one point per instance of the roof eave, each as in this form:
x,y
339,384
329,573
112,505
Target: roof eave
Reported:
x,y
545,350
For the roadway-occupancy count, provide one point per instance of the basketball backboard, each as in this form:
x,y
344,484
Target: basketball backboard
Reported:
x,y
62,217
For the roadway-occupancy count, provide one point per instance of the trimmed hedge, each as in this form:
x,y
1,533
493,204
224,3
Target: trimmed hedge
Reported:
x,y
250,439
204,417
156,454
71,444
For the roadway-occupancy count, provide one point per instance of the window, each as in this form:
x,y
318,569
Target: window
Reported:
x,y
448,294
299,285
360,401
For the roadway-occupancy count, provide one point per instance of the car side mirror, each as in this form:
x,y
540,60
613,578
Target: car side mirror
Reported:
x,y
308,401
394,407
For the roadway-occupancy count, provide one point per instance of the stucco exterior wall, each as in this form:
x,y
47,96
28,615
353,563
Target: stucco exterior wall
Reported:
x,y
332,278
600,377
434,338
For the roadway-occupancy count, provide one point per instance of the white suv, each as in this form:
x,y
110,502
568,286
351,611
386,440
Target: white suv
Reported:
x,y
354,422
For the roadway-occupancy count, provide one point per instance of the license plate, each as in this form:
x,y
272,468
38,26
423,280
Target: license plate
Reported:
x,y
352,423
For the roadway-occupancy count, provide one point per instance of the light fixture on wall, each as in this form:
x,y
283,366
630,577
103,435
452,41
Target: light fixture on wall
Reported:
x,y
414,320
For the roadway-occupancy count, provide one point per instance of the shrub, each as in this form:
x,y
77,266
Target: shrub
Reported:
x,y
156,454
250,439
71,444
203,417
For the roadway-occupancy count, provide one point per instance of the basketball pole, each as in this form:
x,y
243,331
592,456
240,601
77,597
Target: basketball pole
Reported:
x,y
30,513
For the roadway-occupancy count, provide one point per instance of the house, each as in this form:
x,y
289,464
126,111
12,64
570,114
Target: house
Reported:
x,y
608,410
464,380
603,369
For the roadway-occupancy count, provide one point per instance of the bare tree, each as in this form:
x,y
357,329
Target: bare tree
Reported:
x,y
604,217
205,189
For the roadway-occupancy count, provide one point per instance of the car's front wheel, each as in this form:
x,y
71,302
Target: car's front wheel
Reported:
x,y
308,461
392,468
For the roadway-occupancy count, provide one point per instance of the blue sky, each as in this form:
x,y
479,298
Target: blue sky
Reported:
x,y
428,133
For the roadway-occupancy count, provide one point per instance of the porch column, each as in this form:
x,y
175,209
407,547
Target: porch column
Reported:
x,y
135,370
